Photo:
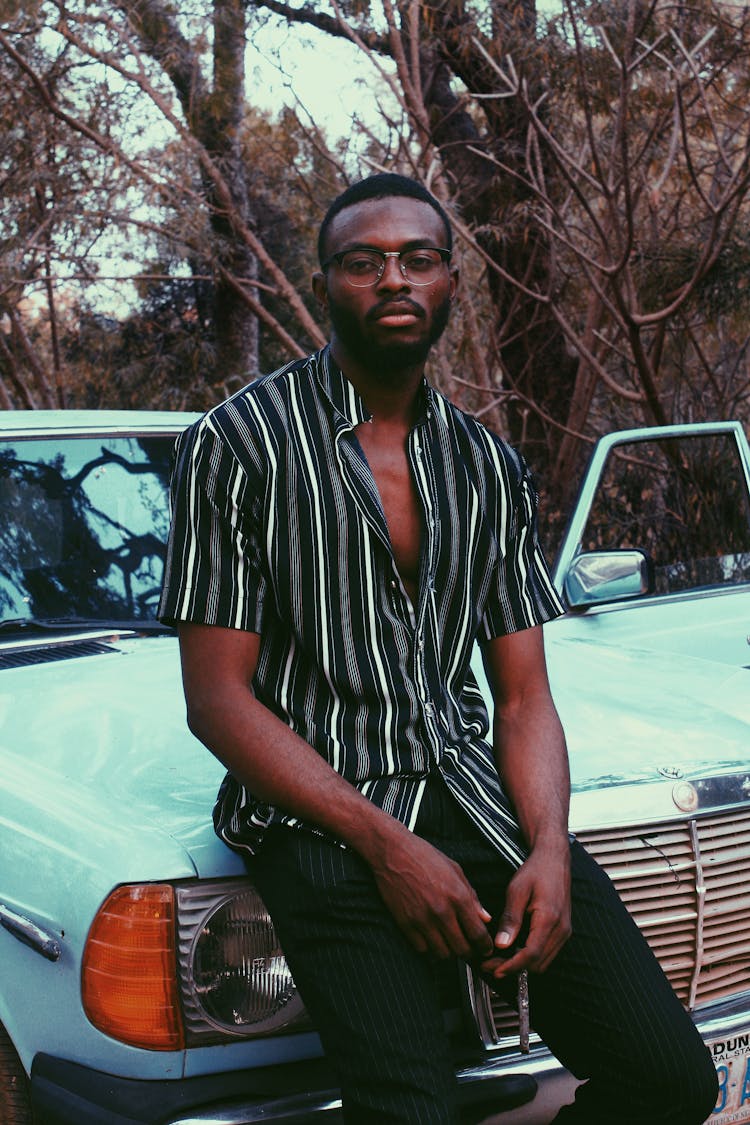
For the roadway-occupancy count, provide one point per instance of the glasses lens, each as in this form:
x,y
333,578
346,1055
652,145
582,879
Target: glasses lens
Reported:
x,y
361,267
421,267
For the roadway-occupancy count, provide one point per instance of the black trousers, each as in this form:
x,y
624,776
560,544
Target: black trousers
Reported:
x,y
604,1007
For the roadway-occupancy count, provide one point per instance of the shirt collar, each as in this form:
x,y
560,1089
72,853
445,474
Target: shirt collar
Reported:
x,y
348,406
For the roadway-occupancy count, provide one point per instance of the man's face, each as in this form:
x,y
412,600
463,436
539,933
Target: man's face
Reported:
x,y
391,324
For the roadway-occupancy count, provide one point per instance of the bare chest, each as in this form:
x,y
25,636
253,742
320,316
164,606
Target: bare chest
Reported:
x,y
400,502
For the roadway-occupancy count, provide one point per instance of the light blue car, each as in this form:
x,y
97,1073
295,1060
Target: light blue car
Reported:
x,y
140,977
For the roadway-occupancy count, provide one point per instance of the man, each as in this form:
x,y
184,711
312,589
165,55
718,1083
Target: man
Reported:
x,y
342,536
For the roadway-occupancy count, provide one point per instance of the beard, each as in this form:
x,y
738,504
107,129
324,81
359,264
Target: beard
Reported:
x,y
393,357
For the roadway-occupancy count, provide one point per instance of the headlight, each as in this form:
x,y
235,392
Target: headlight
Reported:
x,y
166,967
235,979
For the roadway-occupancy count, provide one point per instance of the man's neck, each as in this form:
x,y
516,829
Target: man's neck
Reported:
x,y
390,394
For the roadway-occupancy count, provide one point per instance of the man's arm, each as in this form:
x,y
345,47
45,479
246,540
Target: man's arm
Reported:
x,y
426,892
532,761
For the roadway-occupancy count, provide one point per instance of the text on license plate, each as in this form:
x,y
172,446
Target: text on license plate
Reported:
x,y
731,1057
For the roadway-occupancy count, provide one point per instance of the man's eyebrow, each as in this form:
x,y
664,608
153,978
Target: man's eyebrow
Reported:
x,y
413,244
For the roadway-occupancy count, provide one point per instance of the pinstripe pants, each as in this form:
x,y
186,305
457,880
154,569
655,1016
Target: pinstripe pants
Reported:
x,y
603,1007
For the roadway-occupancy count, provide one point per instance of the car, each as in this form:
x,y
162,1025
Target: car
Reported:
x,y
142,980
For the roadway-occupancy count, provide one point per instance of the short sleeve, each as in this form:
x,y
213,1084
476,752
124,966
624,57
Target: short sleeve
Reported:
x,y
214,572
522,594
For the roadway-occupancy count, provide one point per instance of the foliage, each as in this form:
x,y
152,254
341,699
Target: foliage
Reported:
x,y
133,129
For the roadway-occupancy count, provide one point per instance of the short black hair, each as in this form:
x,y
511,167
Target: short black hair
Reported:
x,y
381,185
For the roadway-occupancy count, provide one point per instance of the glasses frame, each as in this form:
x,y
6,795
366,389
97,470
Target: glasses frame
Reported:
x,y
339,256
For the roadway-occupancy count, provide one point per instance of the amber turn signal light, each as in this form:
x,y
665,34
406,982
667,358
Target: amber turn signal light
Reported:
x,y
129,978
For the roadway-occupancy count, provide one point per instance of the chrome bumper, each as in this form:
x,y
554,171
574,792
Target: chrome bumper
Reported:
x,y
540,1065
68,1093
518,1075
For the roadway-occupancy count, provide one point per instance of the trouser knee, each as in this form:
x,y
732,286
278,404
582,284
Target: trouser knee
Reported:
x,y
690,1093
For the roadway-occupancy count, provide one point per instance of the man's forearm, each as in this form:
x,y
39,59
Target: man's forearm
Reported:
x,y
532,761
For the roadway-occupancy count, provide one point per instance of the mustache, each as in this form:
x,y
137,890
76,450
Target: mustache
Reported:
x,y
400,304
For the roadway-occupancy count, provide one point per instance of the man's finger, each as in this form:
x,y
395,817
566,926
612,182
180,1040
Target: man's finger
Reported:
x,y
510,922
474,921
537,954
500,967
416,939
465,932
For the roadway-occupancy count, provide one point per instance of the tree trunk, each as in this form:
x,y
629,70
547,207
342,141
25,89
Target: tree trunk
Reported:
x,y
540,370
215,119
236,326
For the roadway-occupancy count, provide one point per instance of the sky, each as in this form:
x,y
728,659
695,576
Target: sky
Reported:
x,y
330,77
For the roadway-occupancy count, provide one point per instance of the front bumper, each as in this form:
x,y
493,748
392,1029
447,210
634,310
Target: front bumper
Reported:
x,y
66,1093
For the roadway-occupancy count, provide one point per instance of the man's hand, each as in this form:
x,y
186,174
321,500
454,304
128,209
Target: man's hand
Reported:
x,y
539,892
430,897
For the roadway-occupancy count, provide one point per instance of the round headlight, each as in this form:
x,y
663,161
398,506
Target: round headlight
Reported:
x,y
240,978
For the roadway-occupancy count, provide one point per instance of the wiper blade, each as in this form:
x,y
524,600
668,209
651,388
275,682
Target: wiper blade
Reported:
x,y
17,624
56,624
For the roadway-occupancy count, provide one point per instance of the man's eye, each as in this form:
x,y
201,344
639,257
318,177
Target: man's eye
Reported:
x,y
421,260
361,263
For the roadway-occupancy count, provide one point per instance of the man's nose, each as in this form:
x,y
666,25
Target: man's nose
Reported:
x,y
392,278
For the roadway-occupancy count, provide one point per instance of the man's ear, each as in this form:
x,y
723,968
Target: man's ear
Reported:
x,y
320,289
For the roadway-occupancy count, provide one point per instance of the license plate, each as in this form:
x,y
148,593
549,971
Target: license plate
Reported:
x,y
731,1057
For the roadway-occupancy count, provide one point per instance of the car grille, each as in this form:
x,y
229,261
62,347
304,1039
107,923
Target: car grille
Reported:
x,y
687,884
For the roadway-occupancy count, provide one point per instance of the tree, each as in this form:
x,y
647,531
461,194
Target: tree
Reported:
x,y
644,199
598,165
36,201
156,119
595,165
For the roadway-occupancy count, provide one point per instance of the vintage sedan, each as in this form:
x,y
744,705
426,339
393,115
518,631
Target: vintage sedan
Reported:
x,y
140,976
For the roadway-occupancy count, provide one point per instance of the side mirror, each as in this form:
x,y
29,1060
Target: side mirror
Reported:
x,y
608,576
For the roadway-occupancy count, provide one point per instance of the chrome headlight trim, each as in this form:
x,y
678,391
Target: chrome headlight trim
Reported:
x,y
197,904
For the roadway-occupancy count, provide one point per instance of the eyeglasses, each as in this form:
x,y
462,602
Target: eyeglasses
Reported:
x,y
366,267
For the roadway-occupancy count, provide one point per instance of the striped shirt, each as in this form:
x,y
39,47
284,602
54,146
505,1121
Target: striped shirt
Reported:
x,y
277,528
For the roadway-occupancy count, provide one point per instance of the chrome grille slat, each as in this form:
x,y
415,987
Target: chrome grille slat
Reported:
x,y
662,872
723,934
650,921
700,895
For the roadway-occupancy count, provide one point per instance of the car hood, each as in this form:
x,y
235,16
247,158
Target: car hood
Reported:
x,y
633,715
104,736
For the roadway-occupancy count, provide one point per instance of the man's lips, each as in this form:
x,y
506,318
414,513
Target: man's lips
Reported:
x,y
396,314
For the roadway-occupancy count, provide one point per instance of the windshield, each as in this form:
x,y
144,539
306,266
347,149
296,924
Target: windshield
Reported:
x,y
83,527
